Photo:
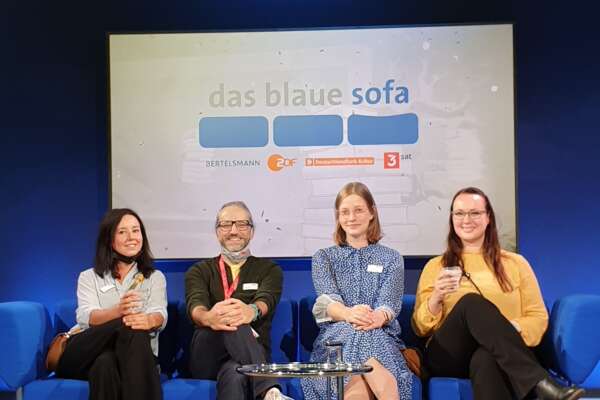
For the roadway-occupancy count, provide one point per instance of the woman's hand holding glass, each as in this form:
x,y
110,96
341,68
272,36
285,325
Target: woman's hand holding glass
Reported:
x,y
130,303
445,283
132,308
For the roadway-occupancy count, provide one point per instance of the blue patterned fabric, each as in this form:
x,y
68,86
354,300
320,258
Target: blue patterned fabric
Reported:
x,y
343,273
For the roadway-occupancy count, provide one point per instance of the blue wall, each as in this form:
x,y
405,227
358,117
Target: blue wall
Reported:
x,y
54,175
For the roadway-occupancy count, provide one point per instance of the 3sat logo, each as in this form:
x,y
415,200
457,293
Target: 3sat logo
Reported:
x,y
391,160
277,162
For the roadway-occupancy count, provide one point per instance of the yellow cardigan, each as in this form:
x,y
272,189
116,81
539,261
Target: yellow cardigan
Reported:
x,y
524,304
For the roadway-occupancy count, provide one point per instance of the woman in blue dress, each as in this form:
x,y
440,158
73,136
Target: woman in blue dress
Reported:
x,y
359,284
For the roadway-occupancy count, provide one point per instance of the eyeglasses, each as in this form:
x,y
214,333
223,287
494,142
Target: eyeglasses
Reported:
x,y
358,212
242,225
474,215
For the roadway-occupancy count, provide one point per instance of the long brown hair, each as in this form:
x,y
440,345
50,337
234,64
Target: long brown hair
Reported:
x,y
374,229
492,253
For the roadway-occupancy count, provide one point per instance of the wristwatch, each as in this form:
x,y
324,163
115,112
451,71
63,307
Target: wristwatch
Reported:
x,y
257,312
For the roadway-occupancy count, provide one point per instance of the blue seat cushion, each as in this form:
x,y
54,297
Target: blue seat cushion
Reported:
x,y
25,328
189,389
56,389
450,389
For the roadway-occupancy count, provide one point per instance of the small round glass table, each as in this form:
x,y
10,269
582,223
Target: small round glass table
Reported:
x,y
308,370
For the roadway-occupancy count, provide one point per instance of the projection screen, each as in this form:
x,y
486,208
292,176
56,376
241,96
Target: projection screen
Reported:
x,y
283,119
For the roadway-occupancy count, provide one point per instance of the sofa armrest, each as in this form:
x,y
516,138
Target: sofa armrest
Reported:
x,y
24,327
571,344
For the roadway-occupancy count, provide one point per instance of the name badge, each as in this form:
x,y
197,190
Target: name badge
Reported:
x,y
250,286
375,268
106,288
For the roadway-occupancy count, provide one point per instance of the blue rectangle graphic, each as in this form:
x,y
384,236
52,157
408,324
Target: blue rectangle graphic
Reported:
x,y
392,129
308,130
216,132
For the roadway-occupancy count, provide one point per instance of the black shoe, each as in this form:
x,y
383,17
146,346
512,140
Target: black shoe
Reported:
x,y
547,389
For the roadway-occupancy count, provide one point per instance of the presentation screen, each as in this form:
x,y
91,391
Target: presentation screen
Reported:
x,y
283,119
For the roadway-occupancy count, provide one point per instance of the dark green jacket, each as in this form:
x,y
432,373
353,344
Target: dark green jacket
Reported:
x,y
203,287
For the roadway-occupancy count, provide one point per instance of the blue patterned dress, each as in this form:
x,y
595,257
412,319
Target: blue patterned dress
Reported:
x,y
350,276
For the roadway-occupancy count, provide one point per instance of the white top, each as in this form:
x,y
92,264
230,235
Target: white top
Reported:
x,y
96,293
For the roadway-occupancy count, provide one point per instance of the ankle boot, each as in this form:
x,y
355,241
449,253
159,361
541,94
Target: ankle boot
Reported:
x,y
547,389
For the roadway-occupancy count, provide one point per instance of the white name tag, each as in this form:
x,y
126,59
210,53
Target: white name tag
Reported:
x,y
375,268
250,286
106,288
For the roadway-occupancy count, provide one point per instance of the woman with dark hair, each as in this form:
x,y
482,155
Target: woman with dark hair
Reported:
x,y
121,307
482,309
359,284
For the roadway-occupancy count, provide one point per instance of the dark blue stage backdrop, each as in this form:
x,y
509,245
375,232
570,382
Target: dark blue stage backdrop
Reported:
x,y
54,176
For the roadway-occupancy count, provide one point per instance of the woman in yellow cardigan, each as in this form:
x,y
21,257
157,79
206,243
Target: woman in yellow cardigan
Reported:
x,y
482,321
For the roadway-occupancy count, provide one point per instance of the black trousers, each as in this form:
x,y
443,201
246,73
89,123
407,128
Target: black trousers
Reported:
x,y
116,360
476,341
216,354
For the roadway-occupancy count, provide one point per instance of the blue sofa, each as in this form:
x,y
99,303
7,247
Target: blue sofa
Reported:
x,y
26,331
570,348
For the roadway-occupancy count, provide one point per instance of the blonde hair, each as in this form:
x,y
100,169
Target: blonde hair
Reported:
x,y
360,189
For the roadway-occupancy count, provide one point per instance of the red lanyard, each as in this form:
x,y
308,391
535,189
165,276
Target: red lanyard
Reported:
x,y
227,290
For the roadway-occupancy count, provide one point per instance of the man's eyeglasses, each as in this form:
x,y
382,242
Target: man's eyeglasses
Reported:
x,y
474,215
242,225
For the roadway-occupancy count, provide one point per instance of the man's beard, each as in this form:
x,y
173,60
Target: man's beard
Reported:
x,y
236,256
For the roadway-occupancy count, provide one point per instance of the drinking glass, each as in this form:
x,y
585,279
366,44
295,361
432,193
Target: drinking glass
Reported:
x,y
143,294
455,272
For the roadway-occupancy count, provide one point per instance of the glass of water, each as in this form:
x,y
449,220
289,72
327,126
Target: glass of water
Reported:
x,y
143,296
454,272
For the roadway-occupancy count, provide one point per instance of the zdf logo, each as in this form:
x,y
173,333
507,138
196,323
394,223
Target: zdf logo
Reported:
x,y
276,162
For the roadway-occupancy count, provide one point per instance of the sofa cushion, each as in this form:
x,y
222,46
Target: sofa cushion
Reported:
x,y
450,389
189,389
56,389
570,345
25,329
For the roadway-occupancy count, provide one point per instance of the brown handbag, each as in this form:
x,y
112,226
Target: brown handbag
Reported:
x,y
413,361
57,348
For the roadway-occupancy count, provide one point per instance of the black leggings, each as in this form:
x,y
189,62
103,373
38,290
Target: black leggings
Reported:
x,y
115,359
476,341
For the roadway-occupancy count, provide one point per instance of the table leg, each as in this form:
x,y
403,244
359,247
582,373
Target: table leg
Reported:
x,y
340,387
329,387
